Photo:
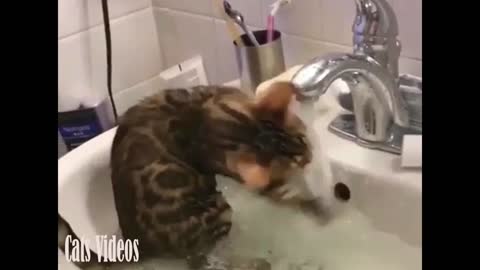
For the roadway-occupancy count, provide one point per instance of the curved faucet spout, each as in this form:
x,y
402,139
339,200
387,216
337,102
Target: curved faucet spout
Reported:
x,y
315,78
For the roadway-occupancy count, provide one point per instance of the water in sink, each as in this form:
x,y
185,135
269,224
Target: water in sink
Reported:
x,y
290,240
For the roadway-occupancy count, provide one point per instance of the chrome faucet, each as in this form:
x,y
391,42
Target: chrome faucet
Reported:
x,y
380,117
375,31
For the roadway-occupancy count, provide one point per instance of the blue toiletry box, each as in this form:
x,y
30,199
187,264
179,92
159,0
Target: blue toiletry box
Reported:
x,y
81,125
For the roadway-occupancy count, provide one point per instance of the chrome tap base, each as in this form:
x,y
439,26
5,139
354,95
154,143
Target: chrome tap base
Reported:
x,y
344,127
384,106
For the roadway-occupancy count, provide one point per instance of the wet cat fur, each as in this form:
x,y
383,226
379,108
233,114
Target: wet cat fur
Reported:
x,y
168,149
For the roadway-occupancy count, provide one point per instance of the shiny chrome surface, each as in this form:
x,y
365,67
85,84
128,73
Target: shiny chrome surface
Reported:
x,y
259,64
375,31
411,90
375,95
344,126
380,114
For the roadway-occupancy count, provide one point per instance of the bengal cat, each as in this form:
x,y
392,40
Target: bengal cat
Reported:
x,y
168,149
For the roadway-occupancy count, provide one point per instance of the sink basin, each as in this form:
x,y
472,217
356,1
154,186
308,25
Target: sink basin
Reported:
x,y
379,227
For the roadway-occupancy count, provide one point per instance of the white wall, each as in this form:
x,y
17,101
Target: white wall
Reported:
x,y
136,56
151,35
310,27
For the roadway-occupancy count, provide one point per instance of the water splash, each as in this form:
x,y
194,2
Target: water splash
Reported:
x,y
317,176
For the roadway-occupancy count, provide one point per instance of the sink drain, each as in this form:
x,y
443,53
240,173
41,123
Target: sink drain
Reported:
x,y
342,192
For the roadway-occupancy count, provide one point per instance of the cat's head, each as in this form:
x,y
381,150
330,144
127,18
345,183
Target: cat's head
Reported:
x,y
280,145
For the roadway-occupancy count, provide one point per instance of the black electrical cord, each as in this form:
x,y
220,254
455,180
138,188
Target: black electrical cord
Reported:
x,y
106,20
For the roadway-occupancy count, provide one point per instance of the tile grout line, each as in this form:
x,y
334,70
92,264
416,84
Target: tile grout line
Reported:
x,y
138,83
112,21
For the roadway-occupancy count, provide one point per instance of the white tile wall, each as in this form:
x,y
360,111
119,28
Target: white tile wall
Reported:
x,y
203,7
226,66
298,50
130,96
195,35
412,66
311,28
136,55
301,18
167,36
250,9
135,51
338,19
409,14
79,15
74,76
151,35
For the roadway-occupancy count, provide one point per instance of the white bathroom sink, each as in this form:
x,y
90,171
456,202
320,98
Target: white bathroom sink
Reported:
x,y
387,198
381,188
389,194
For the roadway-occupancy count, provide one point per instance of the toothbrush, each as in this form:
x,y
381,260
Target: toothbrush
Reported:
x,y
238,18
270,26
230,24
270,19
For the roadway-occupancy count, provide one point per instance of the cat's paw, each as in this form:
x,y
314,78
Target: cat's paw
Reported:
x,y
289,192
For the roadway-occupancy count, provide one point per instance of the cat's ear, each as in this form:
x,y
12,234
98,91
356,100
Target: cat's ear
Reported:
x,y
274,102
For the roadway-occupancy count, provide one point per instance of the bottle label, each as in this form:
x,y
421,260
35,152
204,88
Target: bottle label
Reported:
x,y
75,135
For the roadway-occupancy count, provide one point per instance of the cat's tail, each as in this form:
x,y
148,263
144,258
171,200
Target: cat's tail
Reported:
x,y
94,262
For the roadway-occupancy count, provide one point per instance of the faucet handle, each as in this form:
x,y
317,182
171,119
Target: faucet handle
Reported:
x,y
375,18
375,31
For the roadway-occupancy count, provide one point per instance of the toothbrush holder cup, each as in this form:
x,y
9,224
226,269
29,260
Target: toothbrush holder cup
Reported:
x,y
259,64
